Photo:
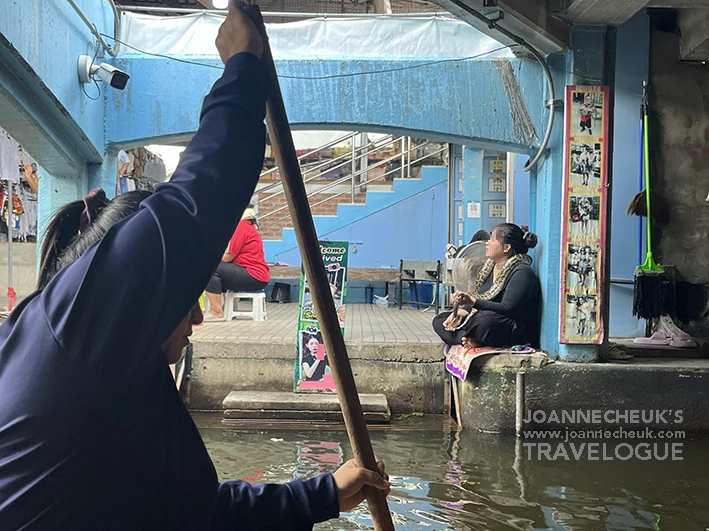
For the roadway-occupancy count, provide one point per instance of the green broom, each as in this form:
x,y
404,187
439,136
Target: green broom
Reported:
x,y
649,279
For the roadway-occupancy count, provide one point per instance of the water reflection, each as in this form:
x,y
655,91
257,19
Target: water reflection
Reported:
x,y
465,481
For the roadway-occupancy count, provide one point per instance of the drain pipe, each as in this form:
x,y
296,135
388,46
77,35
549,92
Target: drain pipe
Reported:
x,y
492,24
519,408
92,28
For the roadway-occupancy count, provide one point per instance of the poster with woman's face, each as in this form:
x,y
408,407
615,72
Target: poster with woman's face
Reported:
x,y
312,368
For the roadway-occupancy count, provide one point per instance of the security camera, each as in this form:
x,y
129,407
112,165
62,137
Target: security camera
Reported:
x,y
88,72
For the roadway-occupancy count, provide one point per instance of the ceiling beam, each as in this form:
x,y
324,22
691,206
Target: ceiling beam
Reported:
x,y
694,27
678,4
610,12
529,19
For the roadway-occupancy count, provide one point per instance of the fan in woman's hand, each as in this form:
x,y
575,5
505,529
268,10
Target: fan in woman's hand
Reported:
x,y
466,266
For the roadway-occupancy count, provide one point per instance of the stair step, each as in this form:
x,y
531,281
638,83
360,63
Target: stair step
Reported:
x,y
659,351
306,407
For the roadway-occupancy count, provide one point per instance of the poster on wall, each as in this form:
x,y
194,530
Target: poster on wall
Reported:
x,y
584,227
312,370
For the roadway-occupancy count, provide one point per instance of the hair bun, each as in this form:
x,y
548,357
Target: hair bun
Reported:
x,y
530,239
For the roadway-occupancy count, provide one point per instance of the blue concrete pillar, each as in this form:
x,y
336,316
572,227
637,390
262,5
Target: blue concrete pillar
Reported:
x,y
104,175
55,192
548,185
472,191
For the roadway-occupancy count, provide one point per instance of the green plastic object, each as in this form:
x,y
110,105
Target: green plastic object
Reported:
x,y
649,264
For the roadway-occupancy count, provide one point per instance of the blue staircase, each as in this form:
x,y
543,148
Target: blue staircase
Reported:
x,y
348,213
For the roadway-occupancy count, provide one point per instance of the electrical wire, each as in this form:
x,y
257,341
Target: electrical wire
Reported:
x,y
350,74
83,86
492,24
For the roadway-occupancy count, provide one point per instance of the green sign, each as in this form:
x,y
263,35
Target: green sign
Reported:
x,y
312,370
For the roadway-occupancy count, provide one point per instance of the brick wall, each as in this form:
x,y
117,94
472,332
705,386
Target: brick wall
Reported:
x,y
271,226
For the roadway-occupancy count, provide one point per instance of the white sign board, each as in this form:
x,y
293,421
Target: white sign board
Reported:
x,y
497,184
497,210
474,209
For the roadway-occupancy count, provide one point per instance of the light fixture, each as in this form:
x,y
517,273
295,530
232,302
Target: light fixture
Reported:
x,y
220,4
88,72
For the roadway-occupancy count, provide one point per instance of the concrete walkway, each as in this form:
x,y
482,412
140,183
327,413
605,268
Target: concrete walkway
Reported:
x,y
393,352
364,323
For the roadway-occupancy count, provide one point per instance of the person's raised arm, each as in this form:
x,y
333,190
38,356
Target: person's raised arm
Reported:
x,y
149,269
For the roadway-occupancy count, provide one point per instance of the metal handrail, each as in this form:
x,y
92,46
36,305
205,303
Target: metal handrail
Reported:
x,y
359,184
347,160
332,184
348,177
305,155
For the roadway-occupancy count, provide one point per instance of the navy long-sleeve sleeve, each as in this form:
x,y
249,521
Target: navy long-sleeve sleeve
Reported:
x,y
291,506
93,434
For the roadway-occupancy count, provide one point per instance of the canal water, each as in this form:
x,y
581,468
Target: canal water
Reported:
x,y
446,479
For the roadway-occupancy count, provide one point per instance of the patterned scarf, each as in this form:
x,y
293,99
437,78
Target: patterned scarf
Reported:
x,y
497,285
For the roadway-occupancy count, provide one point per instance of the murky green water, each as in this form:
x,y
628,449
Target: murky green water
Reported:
x,y
464,481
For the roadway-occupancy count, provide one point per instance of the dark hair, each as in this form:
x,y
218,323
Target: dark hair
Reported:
x,y
481,236
519,239
64,243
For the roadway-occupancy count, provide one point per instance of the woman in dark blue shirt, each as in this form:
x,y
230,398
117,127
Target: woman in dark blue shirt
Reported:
x,y
93,434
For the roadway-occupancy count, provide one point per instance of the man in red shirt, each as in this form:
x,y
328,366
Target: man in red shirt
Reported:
x,y
242,268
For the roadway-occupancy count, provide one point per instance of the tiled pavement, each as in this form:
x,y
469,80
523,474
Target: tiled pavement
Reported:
x,y
364,323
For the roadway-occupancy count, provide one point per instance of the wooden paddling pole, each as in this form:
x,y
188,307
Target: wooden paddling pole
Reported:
x,y
289,168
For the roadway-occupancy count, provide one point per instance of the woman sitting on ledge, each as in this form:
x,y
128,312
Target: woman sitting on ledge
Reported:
x,y
504,309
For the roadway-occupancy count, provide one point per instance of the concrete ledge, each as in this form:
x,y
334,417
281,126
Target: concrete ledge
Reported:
x,y
298,402
240,405
410,375
488,395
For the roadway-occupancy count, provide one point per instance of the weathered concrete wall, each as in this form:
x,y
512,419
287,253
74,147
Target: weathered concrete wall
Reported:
x,y
411,376
488,395
679,137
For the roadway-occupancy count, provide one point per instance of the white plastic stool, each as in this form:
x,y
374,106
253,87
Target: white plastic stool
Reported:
x,y
258,307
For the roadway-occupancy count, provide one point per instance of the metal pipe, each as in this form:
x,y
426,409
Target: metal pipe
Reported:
x,y
193,11
9,232
116,26
519,409
492,24
92,27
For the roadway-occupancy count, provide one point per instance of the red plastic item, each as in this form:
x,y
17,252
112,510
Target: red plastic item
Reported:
x,y
13,298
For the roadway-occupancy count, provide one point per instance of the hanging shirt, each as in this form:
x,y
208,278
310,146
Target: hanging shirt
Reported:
x,y
93,434
246,246
9,158
124,158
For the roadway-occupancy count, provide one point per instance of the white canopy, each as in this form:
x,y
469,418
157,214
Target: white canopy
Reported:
x,y
380,37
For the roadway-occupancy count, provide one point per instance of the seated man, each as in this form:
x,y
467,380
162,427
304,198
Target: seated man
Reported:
x,y
504,309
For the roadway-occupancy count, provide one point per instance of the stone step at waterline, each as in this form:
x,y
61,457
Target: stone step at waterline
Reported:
x,y
308,407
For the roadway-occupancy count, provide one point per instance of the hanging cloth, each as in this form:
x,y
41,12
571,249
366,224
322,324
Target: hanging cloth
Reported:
x,y
9,158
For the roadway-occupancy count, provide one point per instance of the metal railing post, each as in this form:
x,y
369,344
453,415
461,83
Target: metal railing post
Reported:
x,y
403,157
408,157
354,168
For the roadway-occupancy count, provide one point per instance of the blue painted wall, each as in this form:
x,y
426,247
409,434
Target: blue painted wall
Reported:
x,y
415,229
461,102
50,37
631,69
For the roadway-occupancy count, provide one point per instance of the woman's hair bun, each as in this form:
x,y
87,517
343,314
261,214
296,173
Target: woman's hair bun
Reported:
x,y
530,239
